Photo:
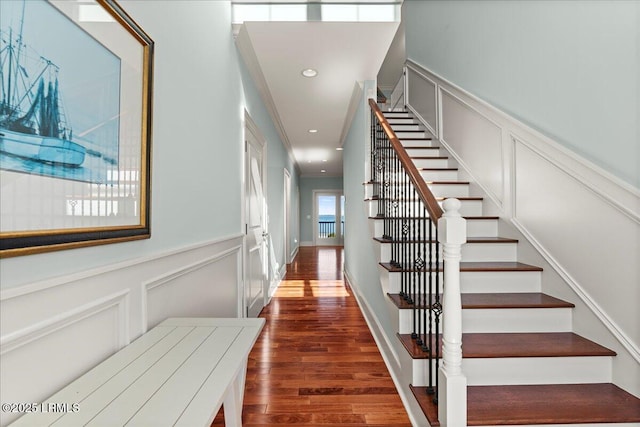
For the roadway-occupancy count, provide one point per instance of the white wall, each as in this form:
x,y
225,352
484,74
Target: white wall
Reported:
x,y
63,312
569,69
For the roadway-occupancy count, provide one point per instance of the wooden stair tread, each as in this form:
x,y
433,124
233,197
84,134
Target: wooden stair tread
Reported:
x,y
497,300
477,267
541,404
438,169
518,344
425,401
551,404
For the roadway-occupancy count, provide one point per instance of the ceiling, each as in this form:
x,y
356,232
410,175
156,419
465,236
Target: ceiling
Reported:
x,y
343,53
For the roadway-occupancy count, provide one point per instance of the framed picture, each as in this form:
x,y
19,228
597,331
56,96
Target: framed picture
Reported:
x,y
75,125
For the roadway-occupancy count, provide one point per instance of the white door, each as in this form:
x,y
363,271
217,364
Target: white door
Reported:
x,y
328,216
256,268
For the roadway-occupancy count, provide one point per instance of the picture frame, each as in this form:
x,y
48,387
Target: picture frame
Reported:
x,y
87,183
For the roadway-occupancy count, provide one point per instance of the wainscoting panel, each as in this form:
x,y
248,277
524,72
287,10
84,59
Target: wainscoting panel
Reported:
x,y
596,243
476,140
38,361
423,99
198,290
53,331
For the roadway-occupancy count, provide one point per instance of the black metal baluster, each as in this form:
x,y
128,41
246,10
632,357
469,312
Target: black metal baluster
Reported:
x,y
437,308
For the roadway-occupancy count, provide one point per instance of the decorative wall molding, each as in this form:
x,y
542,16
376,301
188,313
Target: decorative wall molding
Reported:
x,y
118,301
606,190
170,277
19,291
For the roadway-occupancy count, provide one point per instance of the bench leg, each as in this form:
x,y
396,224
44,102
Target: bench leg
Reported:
x,y
234,398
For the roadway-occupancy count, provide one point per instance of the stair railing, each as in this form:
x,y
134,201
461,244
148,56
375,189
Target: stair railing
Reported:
x,y
414,225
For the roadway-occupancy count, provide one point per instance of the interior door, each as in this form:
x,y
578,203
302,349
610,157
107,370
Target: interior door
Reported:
x,y
256,268
328,218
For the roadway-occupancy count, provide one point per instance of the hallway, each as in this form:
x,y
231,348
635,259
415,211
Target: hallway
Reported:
x,y
315,362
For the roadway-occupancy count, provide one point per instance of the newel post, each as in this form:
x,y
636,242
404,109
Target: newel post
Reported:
x,y
452,383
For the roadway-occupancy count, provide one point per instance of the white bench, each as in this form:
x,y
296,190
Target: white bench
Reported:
x,y
177,374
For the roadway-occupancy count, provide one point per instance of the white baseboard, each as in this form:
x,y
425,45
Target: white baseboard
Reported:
x,y
389,355
304,244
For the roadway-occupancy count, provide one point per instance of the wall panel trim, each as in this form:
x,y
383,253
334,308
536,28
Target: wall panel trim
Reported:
x,y
119,301
169,277
19,291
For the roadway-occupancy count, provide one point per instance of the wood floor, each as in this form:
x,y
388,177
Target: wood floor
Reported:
x,y
316,362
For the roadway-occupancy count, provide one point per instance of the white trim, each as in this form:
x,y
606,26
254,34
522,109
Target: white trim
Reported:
x,y
602,180
383,344
626,342
306,244
164,279
293,254
19,291
315,217
119,300
437,104
287,216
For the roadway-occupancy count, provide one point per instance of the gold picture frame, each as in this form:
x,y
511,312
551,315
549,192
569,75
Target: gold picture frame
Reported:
x,y
75,126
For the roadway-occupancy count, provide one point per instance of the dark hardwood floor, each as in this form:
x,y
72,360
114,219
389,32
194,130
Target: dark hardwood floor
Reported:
x,y
315,362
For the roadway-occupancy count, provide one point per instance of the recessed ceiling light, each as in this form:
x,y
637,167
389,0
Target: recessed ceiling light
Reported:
x,y
339,149
324,160
309,72
313,130
322,170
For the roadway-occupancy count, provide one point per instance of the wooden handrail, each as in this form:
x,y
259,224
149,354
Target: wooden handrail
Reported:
x,y
429,200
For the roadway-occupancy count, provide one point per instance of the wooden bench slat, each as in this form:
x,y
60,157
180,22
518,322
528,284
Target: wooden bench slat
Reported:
x,y
166,406
227,370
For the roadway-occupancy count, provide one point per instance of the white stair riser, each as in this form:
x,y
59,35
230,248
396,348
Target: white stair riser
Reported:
x,y
439,175
393,121
471,252
449,190
517,320
476,282
404,134
420,151
422,147
538,370
396,114
501,320
482,228
475,228
430,163
487,252
526,370
405,127
468,207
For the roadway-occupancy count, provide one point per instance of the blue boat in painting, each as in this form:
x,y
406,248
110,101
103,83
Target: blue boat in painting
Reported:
x,y
32,124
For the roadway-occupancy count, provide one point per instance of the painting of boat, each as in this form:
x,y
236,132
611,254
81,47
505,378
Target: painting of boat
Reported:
x,y
30,116
36,136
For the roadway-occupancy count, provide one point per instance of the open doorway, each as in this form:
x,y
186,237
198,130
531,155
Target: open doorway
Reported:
x,y
328,218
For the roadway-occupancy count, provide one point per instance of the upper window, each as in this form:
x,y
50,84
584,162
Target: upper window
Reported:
x,y
359,12
329,12
269,12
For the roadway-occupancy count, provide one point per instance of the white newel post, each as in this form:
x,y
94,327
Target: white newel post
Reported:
x,y
452,383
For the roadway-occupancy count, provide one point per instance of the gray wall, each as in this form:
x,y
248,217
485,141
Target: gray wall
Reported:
x,y
359,257
567,68
307,185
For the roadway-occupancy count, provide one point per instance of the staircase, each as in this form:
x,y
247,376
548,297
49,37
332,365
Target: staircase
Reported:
x,y
523,363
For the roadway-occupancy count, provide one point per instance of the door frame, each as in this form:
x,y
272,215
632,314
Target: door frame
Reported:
x,y
287,217
314,226
251,127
